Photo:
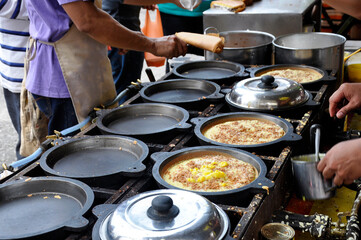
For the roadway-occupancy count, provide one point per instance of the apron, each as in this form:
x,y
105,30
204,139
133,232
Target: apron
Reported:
x,y
86,69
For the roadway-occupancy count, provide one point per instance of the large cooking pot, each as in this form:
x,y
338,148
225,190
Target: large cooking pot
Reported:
x,y
269,94
101,161
238,196
43,207
221,72
245,47
324,77
149,122
201,124
322,50
186,93
161,214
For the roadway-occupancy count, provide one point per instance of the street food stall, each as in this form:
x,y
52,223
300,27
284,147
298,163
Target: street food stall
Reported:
x,y
122,177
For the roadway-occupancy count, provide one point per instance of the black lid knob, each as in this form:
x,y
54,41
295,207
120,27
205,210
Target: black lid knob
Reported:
x,y
267,82
162,209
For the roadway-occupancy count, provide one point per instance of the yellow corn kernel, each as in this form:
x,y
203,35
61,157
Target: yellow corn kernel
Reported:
x,y
223,184
207,172
201,179
191,180
210,166
219,174
209,177
223,164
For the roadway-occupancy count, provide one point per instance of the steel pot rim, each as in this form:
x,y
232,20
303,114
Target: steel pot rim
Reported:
x,y
252,32
274,42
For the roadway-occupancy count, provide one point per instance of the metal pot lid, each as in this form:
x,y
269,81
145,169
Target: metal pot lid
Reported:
x,y
166,214
267,93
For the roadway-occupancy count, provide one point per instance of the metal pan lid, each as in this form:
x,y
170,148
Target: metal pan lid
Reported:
x,y
166,214
267,93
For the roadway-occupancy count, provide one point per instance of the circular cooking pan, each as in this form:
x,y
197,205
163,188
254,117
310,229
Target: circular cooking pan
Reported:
x,y
201,124
43,207
96,160
187,93
215,71
234,196
324,77
154,122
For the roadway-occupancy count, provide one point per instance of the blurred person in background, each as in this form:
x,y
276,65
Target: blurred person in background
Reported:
x,y
14,34
69,71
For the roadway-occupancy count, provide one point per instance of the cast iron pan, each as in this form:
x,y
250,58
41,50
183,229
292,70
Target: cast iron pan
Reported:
x,y
325,79
186,93
43,207
235,196
215,71
153,122
96,160
202,123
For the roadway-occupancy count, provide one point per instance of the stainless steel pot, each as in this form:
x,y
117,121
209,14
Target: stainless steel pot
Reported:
x,y
322,50
162,214
245,47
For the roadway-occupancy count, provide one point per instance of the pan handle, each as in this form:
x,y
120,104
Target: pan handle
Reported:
x,y
243,75
293,137
77,224
329,78
196,120
215,96
183,126
263,185
159,156
103,209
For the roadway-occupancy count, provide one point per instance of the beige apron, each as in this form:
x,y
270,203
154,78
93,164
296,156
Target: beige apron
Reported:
x,y
34,123
86,70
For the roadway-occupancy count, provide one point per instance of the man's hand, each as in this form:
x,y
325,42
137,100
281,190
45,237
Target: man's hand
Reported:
x,y
350,92
343,161
169,46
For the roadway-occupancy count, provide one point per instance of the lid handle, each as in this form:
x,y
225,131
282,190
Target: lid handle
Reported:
x,y
267,82
162,209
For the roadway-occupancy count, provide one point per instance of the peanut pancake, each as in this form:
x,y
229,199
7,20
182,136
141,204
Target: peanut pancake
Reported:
x,y
298,75
209,172
244,132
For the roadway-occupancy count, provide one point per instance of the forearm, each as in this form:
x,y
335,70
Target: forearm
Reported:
x,y
350,7
103,28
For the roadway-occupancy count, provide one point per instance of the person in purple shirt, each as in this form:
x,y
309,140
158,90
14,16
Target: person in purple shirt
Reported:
x,y
69,72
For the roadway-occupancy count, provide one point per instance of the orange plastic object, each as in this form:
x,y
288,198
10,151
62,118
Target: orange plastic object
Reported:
x,y
153,29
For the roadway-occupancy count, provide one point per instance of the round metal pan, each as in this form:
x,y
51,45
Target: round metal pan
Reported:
x,y
325,79
43,207
203,123
235,196
186,93
215,71
100,161
153,122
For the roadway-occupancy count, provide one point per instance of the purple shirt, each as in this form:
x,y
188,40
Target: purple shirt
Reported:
x,y
48,22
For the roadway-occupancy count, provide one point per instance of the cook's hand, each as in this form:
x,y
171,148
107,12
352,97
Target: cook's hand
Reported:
x,y
169,46
342,161
347,91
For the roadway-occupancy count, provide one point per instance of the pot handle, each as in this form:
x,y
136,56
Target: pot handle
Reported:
x,y
226,90
77,224
103,209
243,75
293,137
159,156
196,120
263,185
183,126
211,30
215,96
311,103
